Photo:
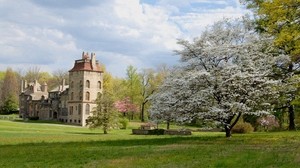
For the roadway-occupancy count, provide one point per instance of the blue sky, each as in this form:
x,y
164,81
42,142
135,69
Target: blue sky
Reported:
x,y
52,34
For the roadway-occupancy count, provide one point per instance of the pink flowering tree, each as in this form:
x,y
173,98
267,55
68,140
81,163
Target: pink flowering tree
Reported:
x,y
125,106
268,122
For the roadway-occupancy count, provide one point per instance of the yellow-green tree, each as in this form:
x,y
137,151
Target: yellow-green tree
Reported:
x,y
281,20
9,92
133,86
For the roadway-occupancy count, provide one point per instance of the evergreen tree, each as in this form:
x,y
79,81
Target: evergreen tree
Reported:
x,y
104,115
9,92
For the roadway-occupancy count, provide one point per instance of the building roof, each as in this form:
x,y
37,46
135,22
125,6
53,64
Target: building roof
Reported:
x,y
83,65
60,88
87,64
39,95
34,90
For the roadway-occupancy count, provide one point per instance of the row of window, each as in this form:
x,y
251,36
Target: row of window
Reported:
x,y
87,96
87,84
70,121
79,109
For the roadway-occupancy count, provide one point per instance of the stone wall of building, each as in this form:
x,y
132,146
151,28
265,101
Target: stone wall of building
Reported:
x,y
72,104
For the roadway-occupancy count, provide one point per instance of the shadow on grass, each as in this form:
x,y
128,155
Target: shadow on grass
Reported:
x,y
85,133
43,122
131,142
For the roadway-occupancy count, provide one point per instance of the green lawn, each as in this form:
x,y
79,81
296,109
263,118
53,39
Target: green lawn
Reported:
x,y
54,145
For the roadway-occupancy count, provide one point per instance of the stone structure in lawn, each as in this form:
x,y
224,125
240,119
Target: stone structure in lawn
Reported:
x,y
71,103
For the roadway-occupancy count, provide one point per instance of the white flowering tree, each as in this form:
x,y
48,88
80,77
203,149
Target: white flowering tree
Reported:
x,y
224,74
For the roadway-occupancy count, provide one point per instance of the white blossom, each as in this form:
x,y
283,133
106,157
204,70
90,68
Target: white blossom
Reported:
x,y
224,73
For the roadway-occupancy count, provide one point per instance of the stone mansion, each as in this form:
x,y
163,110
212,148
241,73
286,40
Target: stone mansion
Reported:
x,y
71,103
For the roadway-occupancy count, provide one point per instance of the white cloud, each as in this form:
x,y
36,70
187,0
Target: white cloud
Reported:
x,y
53,34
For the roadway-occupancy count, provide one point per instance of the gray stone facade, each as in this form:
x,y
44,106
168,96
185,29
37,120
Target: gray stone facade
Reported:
x,y
71,103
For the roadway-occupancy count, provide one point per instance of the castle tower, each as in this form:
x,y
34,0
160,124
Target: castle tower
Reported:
x,y
86,81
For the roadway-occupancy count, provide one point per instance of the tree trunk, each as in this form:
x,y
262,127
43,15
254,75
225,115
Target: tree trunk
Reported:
x,y
228,131
229,126
292,126
142,112
168,125
105,131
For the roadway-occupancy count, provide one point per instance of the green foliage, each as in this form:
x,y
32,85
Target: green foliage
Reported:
x,y
252,119
104,115
124,123
2,75
242,128
9,88
9,106
279,18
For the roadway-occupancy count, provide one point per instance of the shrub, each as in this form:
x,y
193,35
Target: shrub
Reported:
x,y
123,122
33,118
242,128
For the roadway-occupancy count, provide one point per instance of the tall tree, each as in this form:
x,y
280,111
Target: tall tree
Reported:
x,y
281,20
57,77
133,86
9,91
147,89
150,81
32,74
224,74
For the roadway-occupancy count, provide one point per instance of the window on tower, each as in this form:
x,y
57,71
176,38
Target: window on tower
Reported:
x,y
87,96
99,85
80,95
87,83
87,109
79,109
72,96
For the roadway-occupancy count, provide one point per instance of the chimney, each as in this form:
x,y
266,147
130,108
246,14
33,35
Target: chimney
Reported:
x,y
83,55
22,86
93,59
25,84
63,84
35,86
44,87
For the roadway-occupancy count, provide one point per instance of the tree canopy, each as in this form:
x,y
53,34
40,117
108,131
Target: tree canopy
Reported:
x,y
223,74
281,19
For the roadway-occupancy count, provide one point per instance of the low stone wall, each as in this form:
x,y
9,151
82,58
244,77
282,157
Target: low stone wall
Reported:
x,y
140,132
160,132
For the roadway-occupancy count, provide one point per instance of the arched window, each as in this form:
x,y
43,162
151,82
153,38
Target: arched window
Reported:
x,y
87,109
99,85
80,83
72,96
71,110
79,109
87,96
87,83
72,84
80,95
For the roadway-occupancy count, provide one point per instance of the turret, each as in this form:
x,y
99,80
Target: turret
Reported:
x,y
44,87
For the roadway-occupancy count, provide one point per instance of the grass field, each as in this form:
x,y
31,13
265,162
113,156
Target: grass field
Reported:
x,y
53,145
